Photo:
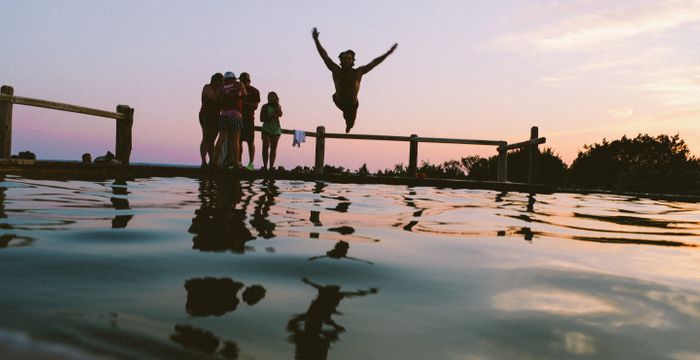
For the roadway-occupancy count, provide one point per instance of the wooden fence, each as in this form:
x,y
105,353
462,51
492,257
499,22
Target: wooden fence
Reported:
x,y
502,147
124,117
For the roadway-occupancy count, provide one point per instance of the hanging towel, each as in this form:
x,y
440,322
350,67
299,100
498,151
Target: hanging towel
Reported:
x,y
299,137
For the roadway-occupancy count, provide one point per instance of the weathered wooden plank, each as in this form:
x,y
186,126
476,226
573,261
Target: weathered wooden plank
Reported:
x,y
461,141
60,106
541,140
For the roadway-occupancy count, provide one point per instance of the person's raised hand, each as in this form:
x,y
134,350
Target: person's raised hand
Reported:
x,y
393,48
314,33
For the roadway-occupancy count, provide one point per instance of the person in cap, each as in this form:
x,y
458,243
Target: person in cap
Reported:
x,y
250,104
230,120
347,78
209,117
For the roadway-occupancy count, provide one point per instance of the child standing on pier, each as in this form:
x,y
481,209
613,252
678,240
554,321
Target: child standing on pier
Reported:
x,y
270,114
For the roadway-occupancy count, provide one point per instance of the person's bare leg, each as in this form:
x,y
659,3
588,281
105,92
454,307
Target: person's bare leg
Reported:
x,y
218,148
349,117
265,149
236,147
203,146
273,150
209,138
251,151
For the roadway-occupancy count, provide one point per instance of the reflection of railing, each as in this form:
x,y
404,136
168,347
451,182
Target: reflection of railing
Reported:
x,y
414,139
124,117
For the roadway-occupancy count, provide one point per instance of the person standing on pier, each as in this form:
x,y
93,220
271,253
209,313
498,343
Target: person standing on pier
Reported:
x,y
250,104
209,117
270,114
347,79
230,121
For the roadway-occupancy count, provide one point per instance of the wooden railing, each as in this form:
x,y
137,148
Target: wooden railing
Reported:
x,y
124,117
502,147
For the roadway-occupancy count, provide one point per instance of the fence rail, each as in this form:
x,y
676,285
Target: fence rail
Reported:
x,y
124,117
502,147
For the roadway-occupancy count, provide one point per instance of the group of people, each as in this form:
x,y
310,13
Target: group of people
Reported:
x,y
227,117
228,110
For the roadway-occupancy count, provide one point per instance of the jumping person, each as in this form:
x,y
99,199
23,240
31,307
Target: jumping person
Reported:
x,y
347,79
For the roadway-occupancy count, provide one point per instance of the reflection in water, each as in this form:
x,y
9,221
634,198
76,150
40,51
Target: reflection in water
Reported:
x,y
339,251
120,202
12,240
204,341
260,220
211,296
418,213
218,224
312,341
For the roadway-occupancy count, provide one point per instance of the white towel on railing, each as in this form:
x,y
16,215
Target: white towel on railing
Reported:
x,y
299,137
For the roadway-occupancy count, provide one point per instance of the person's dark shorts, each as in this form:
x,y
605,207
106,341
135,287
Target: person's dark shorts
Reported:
x,y
209,121
248,129
230,123
345,106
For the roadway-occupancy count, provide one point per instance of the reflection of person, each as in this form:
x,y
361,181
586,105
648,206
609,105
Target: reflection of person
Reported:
x,y
209,117
250,104
260,220
230,121
204,341
211,296
347,79
218,224
311,340
270,114
339,251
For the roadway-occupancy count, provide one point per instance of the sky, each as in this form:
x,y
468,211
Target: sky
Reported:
x,y
580,70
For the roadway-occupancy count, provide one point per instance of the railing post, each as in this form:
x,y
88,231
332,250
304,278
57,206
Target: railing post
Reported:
x,y
6,123
123,143
320,149
502,163
413,155
532,159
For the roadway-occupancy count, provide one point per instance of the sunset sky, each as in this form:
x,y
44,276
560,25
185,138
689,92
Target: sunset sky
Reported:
x,y
581,70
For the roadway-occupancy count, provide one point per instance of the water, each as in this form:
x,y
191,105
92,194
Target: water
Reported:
x,y
181,269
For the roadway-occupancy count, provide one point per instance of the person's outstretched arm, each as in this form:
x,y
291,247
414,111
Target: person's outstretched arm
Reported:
x,y
365,69
324,55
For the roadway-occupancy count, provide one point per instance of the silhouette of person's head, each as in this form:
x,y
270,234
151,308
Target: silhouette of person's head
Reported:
x,y
216,79
347,59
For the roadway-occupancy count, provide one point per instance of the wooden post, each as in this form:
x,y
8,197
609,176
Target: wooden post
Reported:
x,y
320,149
502,163
532,159
413,155
6,123
123,143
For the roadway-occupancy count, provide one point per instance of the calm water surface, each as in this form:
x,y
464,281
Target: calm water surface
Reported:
x,y
186,269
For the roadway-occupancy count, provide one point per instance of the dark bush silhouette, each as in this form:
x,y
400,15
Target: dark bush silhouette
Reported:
x,y
660,164
550,168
